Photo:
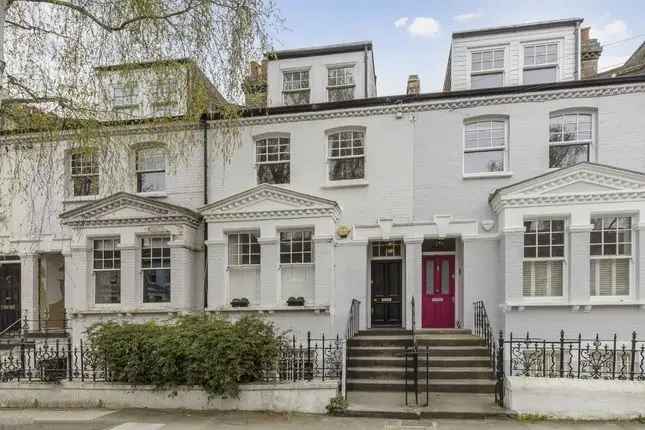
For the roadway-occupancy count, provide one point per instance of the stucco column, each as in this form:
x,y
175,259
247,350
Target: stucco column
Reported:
x,y
514,256
218,294
413,256
269,271
578,263
29,287
323,269
69,292
80,278
640,261
180,267
131,279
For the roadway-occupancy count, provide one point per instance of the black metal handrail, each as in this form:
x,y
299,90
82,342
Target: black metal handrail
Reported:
x,y
484,329
354,319
11,329
578,357
414,322
411,369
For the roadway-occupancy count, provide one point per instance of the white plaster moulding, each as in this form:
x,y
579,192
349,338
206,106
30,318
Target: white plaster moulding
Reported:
x,y
317,309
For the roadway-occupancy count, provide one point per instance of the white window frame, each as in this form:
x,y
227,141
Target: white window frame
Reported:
x,y
493,69
129,97
546,65
139,171
286,91
96,172
329,157
116,242
162,237
291,242
590,143
383,244
351,84
266,137
230,251
505,148
613,257
536,259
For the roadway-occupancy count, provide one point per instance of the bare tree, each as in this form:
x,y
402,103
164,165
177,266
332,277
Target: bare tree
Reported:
x,y
48,82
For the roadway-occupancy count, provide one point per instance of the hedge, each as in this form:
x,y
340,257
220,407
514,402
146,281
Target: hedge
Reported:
x,y
207,351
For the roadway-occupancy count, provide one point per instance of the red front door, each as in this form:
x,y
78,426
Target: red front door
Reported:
x,y
438,292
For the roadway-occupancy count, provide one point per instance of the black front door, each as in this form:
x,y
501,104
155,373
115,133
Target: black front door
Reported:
x,y
9,294
386,293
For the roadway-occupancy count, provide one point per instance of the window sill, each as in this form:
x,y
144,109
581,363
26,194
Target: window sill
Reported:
x,y
575,306
126,311
80,199
289,265
487,175
243,267
153,194
272,309
347,183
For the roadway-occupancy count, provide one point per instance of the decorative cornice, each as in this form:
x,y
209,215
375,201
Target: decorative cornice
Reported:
x,y
598,197
453,104
277,214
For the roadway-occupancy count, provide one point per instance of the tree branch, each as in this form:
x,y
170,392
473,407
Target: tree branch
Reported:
x,y
108,26
29,27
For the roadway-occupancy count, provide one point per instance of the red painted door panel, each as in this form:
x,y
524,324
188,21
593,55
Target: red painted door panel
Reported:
x,y
438,292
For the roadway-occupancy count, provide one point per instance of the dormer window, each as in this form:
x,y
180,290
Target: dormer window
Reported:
x,y
540,63
295,87
125,95
163,96
340,83
487,68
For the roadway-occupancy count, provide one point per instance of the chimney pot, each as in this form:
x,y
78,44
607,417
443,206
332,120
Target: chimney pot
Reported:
x,y
414,85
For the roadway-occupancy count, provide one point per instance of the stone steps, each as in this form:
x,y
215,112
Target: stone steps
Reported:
x,y
441,361
435,386
434,373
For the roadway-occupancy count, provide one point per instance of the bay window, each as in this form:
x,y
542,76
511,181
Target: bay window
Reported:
x,y
485,146
610,248
155,266
570,138
543,265
243,249
107,271
296,247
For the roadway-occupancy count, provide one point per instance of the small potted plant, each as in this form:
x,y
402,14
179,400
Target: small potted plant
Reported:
x,y
296,301
240,303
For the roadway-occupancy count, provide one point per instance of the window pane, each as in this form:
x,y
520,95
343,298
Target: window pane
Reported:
x,y
156,286
107,287
147,182
348,168
340,94
483,162
564,156
539,76
276,173
488,80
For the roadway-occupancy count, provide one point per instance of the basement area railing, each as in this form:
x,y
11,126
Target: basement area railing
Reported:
x,y
315,359
413,358
578,357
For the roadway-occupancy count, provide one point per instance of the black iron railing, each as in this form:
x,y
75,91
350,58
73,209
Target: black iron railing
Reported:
x,y
413,357
354,319
49,361
578,357
484,329
413,311
315,359
44,326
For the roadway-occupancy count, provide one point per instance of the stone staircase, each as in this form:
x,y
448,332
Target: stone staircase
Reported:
x,y
459,362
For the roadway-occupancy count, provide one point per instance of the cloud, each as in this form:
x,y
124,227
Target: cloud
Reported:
x,y
424,27
611,32
401,22
466,17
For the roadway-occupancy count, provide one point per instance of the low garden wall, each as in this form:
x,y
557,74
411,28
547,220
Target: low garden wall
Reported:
x,y
583,399
306,397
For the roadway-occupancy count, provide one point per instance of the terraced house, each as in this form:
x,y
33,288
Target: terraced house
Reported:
x,y
520,186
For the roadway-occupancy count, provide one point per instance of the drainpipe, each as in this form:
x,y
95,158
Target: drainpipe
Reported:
x,y
204,121
578,53
365,68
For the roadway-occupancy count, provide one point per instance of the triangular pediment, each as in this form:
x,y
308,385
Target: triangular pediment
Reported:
x,y
269,202
584,182
129,209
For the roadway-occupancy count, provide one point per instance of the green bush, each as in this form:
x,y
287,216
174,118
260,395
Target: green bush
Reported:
x,y
197,350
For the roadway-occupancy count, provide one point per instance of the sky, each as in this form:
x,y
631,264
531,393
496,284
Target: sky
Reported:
x,y
413,37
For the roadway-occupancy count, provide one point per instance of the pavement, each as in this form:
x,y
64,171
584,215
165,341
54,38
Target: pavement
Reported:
x,y
101,419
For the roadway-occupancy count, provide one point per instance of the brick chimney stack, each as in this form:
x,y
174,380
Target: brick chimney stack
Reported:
x,y
255,85
589,55
414,85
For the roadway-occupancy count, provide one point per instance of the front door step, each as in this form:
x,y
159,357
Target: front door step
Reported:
x,y
440,405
